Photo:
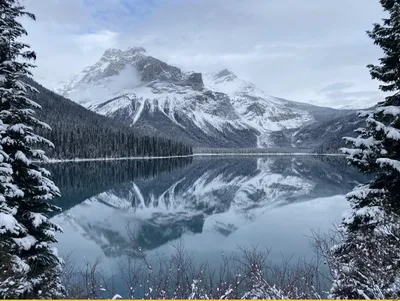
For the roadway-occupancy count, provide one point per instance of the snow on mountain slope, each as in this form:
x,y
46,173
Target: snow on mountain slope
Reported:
x,y
217,109
174,102
257,110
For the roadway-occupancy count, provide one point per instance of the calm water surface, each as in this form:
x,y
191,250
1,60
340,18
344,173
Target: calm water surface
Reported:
x,y
213,205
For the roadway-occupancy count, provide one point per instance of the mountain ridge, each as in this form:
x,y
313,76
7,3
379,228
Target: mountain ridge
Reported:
x,y
205,110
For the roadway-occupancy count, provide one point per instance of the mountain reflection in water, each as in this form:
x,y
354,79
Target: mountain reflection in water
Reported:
x,y
215,204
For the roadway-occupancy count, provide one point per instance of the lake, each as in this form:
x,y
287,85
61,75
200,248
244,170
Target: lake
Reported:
x,y
211,204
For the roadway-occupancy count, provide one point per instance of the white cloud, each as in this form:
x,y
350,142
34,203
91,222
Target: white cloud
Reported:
x,y
288,48
102,39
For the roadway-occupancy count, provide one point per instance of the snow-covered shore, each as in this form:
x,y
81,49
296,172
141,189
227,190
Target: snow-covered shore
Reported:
x,y
113,159
263,154
186,156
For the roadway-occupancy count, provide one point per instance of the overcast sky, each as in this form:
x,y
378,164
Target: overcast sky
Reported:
x,y
313,51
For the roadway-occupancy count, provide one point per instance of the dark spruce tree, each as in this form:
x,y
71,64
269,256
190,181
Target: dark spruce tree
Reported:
x,y
366,263
29,265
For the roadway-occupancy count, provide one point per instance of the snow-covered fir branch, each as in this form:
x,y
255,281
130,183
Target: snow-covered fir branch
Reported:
x,y
30,267
366,263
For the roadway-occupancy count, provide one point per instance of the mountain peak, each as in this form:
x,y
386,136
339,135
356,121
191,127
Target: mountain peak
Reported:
x,y
112,52
136,50
131,51
224,72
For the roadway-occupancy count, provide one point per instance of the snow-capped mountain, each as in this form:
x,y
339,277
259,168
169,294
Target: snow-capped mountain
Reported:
x,y
213,110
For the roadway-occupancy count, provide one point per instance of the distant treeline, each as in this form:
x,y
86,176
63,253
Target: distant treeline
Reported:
x,y
332,146
250,150
80,133
100,143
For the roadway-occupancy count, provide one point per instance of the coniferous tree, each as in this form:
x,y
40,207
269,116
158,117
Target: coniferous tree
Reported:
x,y
366,264
30,266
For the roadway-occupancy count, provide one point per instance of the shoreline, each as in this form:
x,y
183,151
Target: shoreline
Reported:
x,y
76,160
264,154
111,159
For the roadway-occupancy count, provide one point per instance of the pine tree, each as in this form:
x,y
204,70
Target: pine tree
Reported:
x,y
367,261
29,265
